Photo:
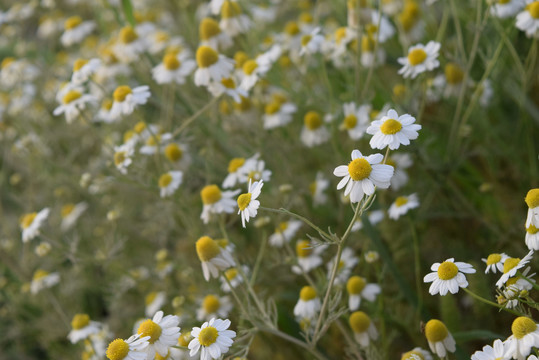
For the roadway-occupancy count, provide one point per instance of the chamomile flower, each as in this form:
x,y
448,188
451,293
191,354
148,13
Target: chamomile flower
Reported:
x,y
237,170
253,70
153,302
308,256
311,43
212,339
154,142
363,327
129,45
70,214
211,66
43,280
247,203
400,162
528,20
313,132
532,200
163,333
416,354
75,30
448,276
362,174
177,154
439,338
173,70
122,157
130,349
490,352
420,58
284,232
126,99
308,304
511,266
73,103
516,287
232,278
213,306
31,224
532,237
169,182
401,206
358,289
278,113
233,21
495,262
255,170
227,86
356,120
212,257
212,35
216,201
525,336
346,264
83,70
82,327
393,130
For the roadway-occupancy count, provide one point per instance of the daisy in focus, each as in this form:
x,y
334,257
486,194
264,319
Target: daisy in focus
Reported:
x,y
393,130
532,200
420,58
448,276
247,203
213,339
169,182
126,99
362,174
130,349
212,257
490,352
439,338
308,304
511,266
363,327
216,201
495,262
82,327
31,223
401,206
163,333
525,336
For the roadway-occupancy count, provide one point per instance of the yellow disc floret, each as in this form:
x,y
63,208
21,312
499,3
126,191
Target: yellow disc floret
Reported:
x,y
229,83
119,157
532,198
173,152
231,273
307,293
509,264
171,62
206,56
117,350
243,201
291,28
401,201
412,355
312,120
208,29
249,67
390,127
235,164
240,57
71,96
350,122
128,35
151,329
78,64
522,326
416,56
272,108
359,322
72,22
207,248
210,304
40,274
165,180
230,9
121,92
305,39
359,169
208,336
80,321
303,248
28,219
533,9
493,259
435,331
210,194
355,285
447,270
453,74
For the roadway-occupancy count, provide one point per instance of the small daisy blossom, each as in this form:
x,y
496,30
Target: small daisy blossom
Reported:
x,y
83,69
154,301
525,337
43,280
75,30
311,43
227,86
82,327
401,206
308,256
439,338
247,203
253,70
163,333
211,66
213,339
490,352
71,213
317,188
122,156
358,289
448,276
173,69
233,21
528,20
393,130
216,201
126,99
236,168
31,223
130,349
532,200
507,8
73,102
308,304
313,132
362,174
284,233
213,306
212,257
511,266
495,262
169,182
363,327
232,278
278,113
356,120
532,237
416,354
347,263
420,58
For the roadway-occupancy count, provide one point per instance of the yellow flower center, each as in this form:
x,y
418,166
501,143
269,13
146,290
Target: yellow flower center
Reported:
x,y
78,64
235,164
150,297
307,293
312,187
407,20
40,274
240,57
210,194
244,200
119,157
117,350
340,34
140,127
208,336
291,28
151,329
80,321
303,248
390,127
359,169
355,285
159,357
206,56
401,200
532,230
106,104
509,264
128,135
305,39
533,9
306,18
28,219
207,248
367,44
128,35
350,121
359,322
522,326
503,1
453,74
173,152
210,304
171,62
121,92
165,180
512,281
6,62
208,29
184,339
229,83
532,198
312,120
231,273
399,90
230,9
371,29
282,227
71,96
249,67
416,56
72,22
162,36
435,331
447,270
408,355
67,209
272,108
493,259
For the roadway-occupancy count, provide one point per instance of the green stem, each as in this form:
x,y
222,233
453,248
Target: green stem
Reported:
x,y
417,268
259,257
303,219
482,299
187,122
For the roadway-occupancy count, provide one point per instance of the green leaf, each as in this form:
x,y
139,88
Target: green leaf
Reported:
x,y
463,336
128,11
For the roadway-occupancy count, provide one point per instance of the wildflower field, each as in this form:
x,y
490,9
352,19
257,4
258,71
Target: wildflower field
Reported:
x,y
269,179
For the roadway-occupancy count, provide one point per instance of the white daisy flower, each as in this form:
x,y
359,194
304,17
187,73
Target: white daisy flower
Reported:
x,y
213,306
346,264
43,280
237,170
400,162
169,182
212,257
317,188
363,327
358,289
371,257
130,349
153,302
31,223
528,20
380,28
130,44
439,338
233,21
211,66
278,113
227,86
154,142
163,333
126,99
532,237
420,58
253,70
490,352
486,92
416,354
264,13
511,266
401,206
362,174
525,337
284,232
255,170
234,278
495,262
448,276
247,203
212,339
216,201
82,327
308,256
122,157
216,5
173,70
177,154
517,286
356,120
212,35
311,43
83,70
532,200
75,30
71,213
393,130
73,103
313,132
308,304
